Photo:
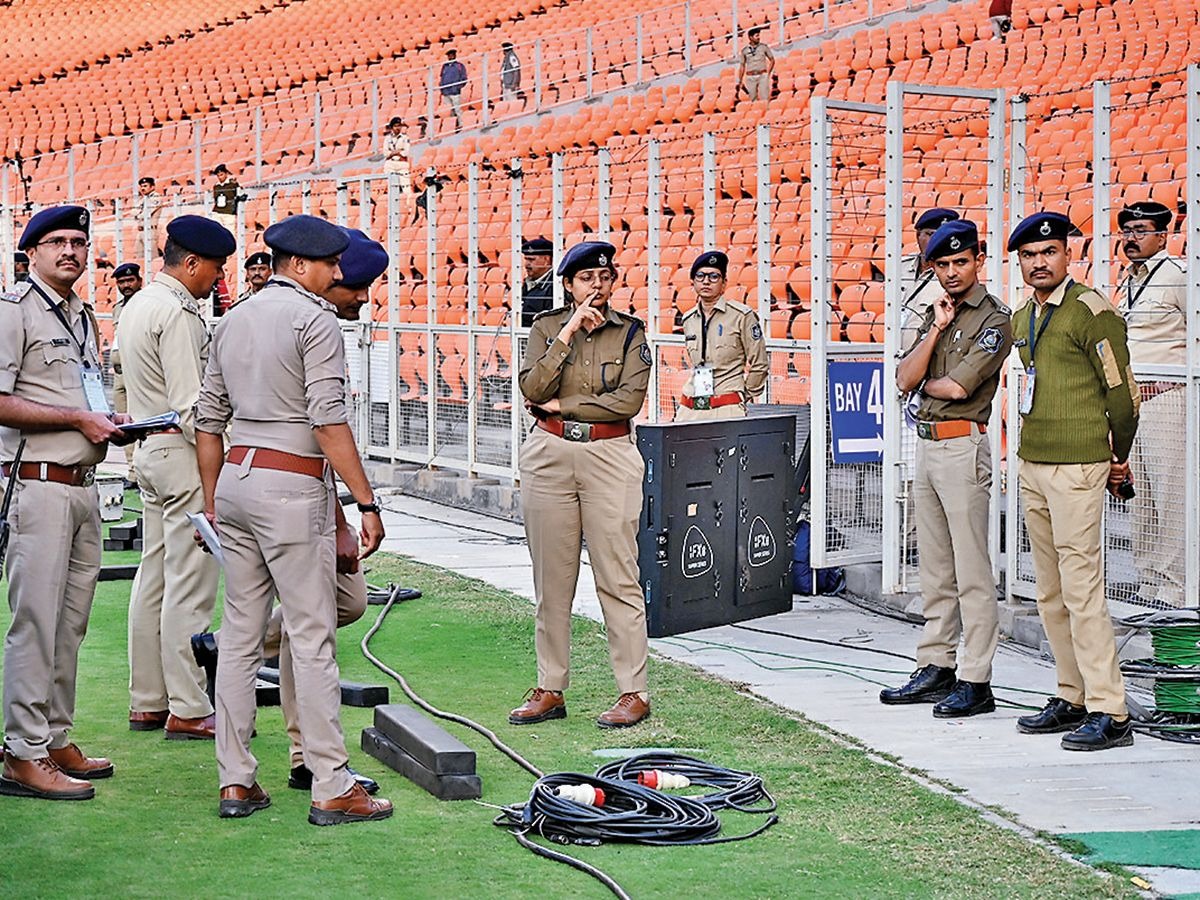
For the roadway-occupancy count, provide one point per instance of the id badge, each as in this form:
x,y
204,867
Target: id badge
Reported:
x,y
220,201
93,390
702,381
1027,393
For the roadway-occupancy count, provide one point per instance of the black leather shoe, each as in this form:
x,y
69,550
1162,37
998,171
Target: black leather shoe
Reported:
x,y
1057,715
300,778
1100,731
204,650
926,685
969,698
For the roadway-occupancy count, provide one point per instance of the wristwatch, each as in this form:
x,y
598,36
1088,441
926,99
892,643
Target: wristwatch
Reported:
x,y
371,507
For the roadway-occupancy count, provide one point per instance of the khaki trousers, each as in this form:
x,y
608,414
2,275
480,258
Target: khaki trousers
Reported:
x,y
277,533
1159,529
1063,506
758,87
590,491
952,496
687,414
53,564
175,589
121,405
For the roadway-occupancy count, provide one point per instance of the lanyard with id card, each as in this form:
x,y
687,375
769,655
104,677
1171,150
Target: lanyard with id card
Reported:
x,y
93,383
1031,372
703,379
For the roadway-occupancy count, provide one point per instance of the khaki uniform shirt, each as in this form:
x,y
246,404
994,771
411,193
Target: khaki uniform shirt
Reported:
x,y
756,58
41,362
164,343
918,290
114,353
731,341
1153,302
276,370
600,377
971,353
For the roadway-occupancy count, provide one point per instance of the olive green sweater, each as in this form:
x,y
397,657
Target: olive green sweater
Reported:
x,y
1085,403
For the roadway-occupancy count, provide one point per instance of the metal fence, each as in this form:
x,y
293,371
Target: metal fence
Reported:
x,y
314,129
435,368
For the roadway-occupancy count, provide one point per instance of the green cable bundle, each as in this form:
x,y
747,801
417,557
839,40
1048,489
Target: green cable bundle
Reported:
x,y
1177,697
1177,645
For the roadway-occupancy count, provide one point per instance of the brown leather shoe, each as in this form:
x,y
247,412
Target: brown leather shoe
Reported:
x,y
202,729
356,805
628,710
43,779
238,801
72,761
539,706
147,721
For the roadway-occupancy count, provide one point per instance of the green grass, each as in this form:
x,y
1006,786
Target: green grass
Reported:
x,y
849,827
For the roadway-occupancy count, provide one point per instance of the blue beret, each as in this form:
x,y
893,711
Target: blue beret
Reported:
x,y
538,246
952,237
1041,226
20,257
588,255
54,218
711,259
363,261
127,269
935,218
306,236
1160,215
258,259
202,236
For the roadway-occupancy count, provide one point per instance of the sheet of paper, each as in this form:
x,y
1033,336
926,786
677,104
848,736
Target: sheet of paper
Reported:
x,y
209,536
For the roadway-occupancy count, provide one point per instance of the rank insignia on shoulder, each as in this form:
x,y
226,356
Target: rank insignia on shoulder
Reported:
x,y
645,354
756,332
991,340
12,296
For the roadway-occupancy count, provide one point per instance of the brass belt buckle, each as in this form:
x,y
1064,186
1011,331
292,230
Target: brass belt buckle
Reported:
x,y
89,477
702,402
577,432
925,430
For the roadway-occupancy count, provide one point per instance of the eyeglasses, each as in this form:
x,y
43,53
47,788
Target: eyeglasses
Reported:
x,y
61,243
707,277
1140,232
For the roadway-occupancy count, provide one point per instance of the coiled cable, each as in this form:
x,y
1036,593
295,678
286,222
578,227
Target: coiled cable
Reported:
x,y
743,791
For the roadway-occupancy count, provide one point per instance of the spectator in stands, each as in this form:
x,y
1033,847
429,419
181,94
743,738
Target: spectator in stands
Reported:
x,y
20,268
149,209
537,290
918,286
954,368
1079,414
397,150
451,83
258,273
510,72
433,185
756,62
1000,14
1153,300
225,198
725,347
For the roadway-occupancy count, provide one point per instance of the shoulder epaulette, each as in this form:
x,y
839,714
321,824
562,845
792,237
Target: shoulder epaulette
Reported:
x,y
551,312
740,307
12,296
1000,307
628,317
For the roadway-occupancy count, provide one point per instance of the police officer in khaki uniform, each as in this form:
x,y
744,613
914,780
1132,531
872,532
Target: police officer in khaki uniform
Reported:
x,y
128,279
1078,403
918,284
258,273
756,62
1153,301
955,370
725,348
164,341
52,397
361,263
584,377
276,373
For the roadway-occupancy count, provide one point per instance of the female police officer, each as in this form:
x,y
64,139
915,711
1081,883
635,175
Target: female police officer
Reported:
x,y
584,377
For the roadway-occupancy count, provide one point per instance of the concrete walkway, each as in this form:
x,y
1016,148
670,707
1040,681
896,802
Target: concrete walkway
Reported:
x,y
1149,786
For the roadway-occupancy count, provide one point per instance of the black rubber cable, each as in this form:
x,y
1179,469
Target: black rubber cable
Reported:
x,y
743,791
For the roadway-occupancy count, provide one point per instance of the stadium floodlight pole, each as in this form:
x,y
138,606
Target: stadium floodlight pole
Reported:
x,y
1192,500
473,335
71,174
1016,205
762,192
258,143
603,193
514,319
710,190
393,310
556,217
376,138
654,261
639,39
1101,186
